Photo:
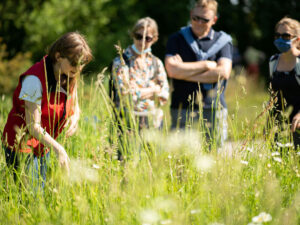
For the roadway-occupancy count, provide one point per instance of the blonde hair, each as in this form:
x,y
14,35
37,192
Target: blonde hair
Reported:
x,y
293,24
208,4
146,22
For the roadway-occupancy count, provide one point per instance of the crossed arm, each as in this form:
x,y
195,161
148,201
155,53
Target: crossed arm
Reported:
x,y
157,87
201,71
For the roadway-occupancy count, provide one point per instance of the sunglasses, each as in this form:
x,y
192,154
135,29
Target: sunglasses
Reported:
x,y
200,19
139,37
284,36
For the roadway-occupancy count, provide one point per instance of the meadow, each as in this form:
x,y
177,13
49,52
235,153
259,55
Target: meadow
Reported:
x,y
166,177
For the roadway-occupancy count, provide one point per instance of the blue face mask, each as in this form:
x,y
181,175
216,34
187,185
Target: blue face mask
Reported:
x,y
283,45
138,52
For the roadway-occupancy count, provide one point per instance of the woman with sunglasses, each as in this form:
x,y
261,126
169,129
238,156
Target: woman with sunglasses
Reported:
x,y
44,103
142,78
285,73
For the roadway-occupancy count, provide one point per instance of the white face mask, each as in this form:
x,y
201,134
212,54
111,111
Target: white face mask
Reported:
x,y
138,52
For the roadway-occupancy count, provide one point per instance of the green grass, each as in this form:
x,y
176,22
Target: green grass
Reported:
x,y
168,178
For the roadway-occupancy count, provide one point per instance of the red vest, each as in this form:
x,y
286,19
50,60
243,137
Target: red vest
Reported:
x,y
55,108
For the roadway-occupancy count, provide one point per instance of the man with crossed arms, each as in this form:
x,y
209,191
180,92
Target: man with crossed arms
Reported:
x,y
199,59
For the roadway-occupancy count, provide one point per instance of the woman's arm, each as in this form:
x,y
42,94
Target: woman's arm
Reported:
x,y
296,122
33,122
162,82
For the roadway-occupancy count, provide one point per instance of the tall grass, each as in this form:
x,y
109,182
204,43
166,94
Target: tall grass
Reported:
x,y
167,177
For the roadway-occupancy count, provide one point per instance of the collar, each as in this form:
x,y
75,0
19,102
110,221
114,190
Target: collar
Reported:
x,y
209,36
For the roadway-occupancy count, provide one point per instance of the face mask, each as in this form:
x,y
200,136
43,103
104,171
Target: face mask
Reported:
x,y
138,52
283,45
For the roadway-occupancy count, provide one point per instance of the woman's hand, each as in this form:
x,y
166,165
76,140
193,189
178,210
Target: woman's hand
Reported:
x,y
296,122
295,46
63,159
72,124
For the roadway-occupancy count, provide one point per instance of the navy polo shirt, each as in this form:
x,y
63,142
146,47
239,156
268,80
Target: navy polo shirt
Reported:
x,y
185,93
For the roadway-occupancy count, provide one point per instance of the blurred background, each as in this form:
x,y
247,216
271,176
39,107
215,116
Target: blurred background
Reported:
x,y
28,27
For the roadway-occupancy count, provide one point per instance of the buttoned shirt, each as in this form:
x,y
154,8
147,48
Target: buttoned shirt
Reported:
x,y
132,79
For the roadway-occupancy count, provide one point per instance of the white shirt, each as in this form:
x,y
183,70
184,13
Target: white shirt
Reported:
x,y
32,90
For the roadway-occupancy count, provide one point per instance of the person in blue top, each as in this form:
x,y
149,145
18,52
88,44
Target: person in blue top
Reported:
x,y
199,62
285,74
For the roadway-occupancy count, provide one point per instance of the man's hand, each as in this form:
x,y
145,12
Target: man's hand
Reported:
x,y
210,65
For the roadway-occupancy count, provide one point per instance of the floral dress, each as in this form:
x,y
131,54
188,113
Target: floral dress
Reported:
x,y
131,79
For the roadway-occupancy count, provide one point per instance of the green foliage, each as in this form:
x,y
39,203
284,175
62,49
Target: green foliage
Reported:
x,y
101,21
32,26
11,69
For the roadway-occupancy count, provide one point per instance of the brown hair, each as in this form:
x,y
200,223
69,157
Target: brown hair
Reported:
x,y
208,4
148,23
73,46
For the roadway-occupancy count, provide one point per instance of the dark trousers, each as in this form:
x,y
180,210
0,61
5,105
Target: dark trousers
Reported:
x,y
296,139
214,123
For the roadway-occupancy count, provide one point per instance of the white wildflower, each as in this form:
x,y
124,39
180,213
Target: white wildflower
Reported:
x,y
277,159
95,166
249,149
204,163
195,211
287,145
298,153
149,216
275,153
79,172
244,162
262,218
